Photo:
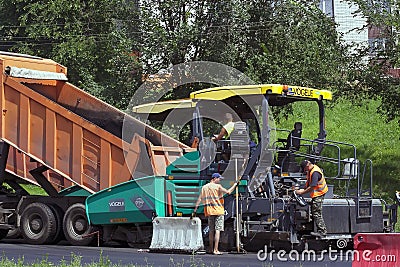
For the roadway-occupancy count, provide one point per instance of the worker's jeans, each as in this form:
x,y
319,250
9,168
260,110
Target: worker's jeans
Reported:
x,y
316,210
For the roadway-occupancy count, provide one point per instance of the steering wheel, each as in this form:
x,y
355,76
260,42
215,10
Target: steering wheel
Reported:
x,y
300,199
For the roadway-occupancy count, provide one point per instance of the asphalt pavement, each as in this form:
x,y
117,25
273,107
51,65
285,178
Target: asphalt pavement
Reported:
x,y
15,250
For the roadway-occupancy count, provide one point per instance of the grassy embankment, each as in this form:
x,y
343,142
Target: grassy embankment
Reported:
x,y
374,138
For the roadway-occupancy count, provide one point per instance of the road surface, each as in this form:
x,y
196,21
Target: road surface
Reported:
x,y
141,257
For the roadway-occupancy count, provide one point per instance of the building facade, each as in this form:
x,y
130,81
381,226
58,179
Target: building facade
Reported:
x,y
352,26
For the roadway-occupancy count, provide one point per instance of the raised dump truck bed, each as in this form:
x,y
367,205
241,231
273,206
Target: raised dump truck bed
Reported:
x,y
71,144
75,138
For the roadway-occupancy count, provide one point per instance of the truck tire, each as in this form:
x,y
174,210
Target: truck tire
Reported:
x,y
58,214
76,226
38,224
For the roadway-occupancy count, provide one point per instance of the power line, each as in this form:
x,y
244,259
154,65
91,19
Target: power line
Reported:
x,y
106,36
117,20
83,23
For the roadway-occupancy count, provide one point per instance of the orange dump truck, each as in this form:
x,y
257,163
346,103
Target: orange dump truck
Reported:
x,y
55,135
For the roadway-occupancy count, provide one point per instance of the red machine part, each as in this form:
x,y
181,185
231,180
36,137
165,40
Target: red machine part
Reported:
x,y
376,250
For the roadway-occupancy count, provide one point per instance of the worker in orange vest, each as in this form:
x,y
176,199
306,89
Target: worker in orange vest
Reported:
x,y
317,187
212,196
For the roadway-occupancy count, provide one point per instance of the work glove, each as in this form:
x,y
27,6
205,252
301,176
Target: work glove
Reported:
x,y
193,215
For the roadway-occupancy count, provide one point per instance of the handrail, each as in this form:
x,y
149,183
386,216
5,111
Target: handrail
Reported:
x,y
360,183
311,143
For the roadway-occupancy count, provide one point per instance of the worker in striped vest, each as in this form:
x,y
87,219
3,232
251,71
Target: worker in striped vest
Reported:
x,y
317,187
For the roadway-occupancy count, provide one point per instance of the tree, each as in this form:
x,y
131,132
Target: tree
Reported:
x,y
179,31
299,47
377,79
107,44
89,37
295,43
272,41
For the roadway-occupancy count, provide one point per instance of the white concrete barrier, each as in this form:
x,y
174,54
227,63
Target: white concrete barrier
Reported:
x,y
177,234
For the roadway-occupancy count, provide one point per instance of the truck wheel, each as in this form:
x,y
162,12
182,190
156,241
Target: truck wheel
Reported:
x,y
38,224
76,226
58,215
3,233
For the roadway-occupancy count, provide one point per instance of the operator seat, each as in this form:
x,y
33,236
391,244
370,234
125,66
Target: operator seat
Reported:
x,y
239,140
286,158
293,139
237,144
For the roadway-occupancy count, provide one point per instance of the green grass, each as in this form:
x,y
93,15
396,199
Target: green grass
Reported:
x,y
76,261
374,138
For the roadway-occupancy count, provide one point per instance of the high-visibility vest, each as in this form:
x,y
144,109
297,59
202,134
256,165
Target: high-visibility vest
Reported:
x,y
229,128
321,187
213,199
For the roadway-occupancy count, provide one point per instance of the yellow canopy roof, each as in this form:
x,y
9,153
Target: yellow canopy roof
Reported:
x,y
221,93
158,107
